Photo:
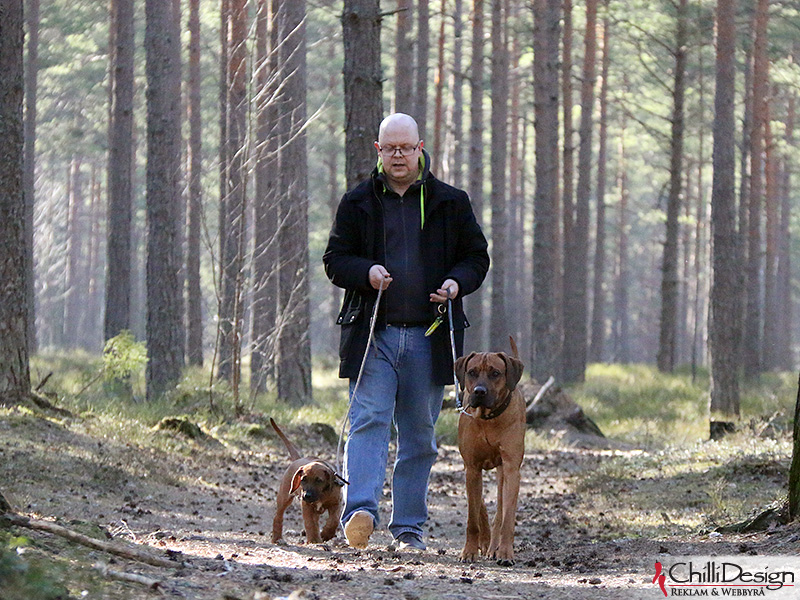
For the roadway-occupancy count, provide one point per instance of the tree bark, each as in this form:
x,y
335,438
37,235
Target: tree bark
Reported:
x,y
794,469
120,171
597,341
669,266
498,330
576,265
165,333
194,298
772,320
15,381
31,84
785,257
361,30
474,302
294,346
421,78
438,104
724,332
231,307
404,59
545,87
621,329
456,120
752,347
73,303
265,255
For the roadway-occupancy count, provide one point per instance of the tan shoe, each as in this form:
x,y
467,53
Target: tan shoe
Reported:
x,y
358,529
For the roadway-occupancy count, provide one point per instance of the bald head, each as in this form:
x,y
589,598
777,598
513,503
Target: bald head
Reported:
x,y
398,125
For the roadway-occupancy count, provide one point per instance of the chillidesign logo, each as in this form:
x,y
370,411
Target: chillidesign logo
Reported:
x,y
660,578
733,577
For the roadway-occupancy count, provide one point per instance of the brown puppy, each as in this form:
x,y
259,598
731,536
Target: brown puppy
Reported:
x,y
491,436
319,487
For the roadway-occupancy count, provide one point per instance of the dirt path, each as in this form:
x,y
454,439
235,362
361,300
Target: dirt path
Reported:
x,y
214,505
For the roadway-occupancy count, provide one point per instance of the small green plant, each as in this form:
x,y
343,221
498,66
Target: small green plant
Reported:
x,y
123,356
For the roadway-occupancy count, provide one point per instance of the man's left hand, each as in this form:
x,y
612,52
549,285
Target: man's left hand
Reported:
x,y
441,294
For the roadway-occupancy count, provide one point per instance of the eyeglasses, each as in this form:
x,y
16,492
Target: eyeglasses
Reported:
x,y
404,150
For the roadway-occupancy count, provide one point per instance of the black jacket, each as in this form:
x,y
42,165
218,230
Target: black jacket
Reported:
x,y
455,248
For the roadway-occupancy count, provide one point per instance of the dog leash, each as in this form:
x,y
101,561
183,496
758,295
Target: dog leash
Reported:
x,y
459,405
370,340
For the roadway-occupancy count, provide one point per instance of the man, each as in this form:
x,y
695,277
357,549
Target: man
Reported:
x,y
404,231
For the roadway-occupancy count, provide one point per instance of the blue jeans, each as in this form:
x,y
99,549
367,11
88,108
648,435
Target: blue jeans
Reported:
x,y
396,387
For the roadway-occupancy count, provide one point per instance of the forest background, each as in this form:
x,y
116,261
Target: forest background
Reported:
x,y
629,219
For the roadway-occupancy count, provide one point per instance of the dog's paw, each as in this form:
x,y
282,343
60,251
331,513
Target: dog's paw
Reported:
x,y
505,558
469,555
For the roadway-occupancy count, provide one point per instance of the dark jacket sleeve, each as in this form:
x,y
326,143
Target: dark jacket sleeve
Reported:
x,y
345,258
471,249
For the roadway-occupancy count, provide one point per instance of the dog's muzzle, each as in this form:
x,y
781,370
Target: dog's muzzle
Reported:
x,y
479,396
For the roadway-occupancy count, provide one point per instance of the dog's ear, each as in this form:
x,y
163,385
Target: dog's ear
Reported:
x,y
460,367
298,476
514,368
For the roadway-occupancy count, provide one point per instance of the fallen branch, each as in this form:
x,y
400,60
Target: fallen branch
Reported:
x,y
153,584
85,540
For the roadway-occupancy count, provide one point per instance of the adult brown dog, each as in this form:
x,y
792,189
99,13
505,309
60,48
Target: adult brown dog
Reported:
x,y
320,489
491,436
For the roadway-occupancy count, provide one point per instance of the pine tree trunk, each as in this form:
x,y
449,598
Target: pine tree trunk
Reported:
x,y
456,120
772,318
498,329
785,256
438,104
794,470
73,303
516,171
31,83
421,77
567,199
404,59
669,266
621,330
120,171
265,256
545,87
724,332
576,260
232,305
598,338
475,336
361,33
752,346
15,382
294,345
194,299
165,333
222,349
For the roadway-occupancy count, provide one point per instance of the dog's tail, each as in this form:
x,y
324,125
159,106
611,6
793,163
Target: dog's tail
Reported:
x,y
294,453
514,351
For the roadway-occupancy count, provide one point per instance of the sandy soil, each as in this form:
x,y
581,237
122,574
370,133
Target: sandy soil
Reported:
x,y
211,506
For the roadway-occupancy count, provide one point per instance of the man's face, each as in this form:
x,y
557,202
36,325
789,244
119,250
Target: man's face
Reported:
x,y
400,148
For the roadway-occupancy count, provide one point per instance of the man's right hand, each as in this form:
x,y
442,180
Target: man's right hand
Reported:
x,y
378,274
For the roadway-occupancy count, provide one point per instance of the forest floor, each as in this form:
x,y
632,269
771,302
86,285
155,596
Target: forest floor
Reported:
x,y
591,524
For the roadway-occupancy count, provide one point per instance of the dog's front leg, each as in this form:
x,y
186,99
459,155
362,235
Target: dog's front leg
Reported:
x,y
311,522
277,521
497,523
510,489
332,524
474,516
